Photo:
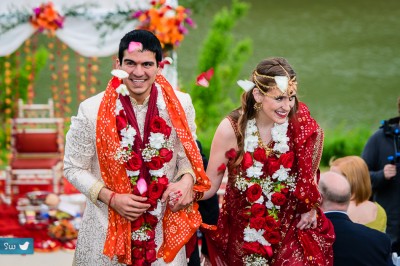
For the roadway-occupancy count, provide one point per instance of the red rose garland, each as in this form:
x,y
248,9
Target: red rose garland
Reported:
x,y
265,182
155,155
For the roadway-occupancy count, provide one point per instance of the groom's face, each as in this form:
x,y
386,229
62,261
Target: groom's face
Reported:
x,y
142,69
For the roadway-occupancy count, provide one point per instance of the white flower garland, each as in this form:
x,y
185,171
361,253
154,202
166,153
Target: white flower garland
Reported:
x,y
268,184
255,260
157,141
140,234
128,134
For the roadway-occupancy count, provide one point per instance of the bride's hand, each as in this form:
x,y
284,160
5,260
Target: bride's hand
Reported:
x,y
308,220
179,194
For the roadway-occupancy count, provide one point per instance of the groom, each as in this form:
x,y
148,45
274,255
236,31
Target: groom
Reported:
x,y
131,151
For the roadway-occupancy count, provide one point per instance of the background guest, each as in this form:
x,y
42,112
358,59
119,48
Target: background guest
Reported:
x,y
355,243
381,153
360,210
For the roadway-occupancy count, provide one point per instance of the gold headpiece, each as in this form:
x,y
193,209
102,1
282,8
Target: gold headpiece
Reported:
x,y
283,83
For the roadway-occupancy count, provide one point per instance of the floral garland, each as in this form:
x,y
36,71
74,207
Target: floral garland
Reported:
x,y
266,182
44,17
166,22
155,155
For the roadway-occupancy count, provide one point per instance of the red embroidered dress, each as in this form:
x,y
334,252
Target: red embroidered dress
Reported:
x,y
279,242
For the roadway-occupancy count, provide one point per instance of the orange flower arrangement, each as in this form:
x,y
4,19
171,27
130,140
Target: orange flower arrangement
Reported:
x,y
166,22
45,17
63,230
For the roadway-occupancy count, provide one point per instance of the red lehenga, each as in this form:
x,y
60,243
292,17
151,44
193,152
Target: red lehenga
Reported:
x,y
296,247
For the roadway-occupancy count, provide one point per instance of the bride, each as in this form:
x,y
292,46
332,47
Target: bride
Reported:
x,y
271,148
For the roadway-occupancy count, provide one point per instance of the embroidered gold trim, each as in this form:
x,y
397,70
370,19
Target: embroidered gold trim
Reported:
x,y
291,90
94,191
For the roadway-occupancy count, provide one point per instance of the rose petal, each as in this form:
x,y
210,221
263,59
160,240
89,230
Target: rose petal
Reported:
x,y
209,74
168,60
204,78
122,89
135,46
202,81
119,73
141,186
246,85
221,168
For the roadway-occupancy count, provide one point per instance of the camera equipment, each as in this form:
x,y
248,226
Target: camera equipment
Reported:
x,y
392,159
391,128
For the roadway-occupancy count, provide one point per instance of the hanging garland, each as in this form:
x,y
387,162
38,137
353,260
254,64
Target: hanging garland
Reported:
x,y
92,81
67,87
44,18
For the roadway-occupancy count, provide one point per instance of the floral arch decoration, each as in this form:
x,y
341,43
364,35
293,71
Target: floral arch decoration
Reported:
x,y
91,28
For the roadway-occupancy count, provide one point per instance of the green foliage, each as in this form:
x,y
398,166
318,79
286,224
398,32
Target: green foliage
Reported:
x,y
227,56
19,82
339,142
195,5
4,152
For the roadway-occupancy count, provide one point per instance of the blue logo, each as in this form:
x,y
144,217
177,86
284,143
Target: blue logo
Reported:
x,y
16,245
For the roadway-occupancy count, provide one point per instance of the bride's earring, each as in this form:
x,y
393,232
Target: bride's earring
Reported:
x,y
257,106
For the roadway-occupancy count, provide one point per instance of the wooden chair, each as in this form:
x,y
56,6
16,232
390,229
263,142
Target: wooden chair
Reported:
x,y
37,146
35,110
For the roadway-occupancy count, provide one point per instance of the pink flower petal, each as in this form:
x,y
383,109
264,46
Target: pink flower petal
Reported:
x,y
204,78
202,81
141,186
182,29
133,46
137,14
37,11
190,22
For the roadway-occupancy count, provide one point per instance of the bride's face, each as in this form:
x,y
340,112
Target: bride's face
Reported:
x,y
275,106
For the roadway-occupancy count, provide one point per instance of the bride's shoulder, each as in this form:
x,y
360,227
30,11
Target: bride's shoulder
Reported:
x,y
225,129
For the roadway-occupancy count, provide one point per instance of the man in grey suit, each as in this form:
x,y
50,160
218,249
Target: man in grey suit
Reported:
x,y
355,244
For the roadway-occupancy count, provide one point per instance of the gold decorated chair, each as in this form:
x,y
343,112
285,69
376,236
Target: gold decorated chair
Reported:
x,y
37,148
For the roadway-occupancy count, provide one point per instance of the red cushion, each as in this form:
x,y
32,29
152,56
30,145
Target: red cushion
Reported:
x,y
36,163
36,142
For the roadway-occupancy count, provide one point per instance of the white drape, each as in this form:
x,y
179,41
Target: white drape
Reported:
x,y
78,32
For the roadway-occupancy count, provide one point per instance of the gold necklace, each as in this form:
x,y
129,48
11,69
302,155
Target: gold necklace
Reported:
x,y
266,147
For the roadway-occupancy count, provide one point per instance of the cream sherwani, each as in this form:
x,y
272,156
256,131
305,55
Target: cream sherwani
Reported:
x,y
81,168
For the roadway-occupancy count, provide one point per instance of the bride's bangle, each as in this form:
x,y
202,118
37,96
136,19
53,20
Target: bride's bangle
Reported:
x,y
198,196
